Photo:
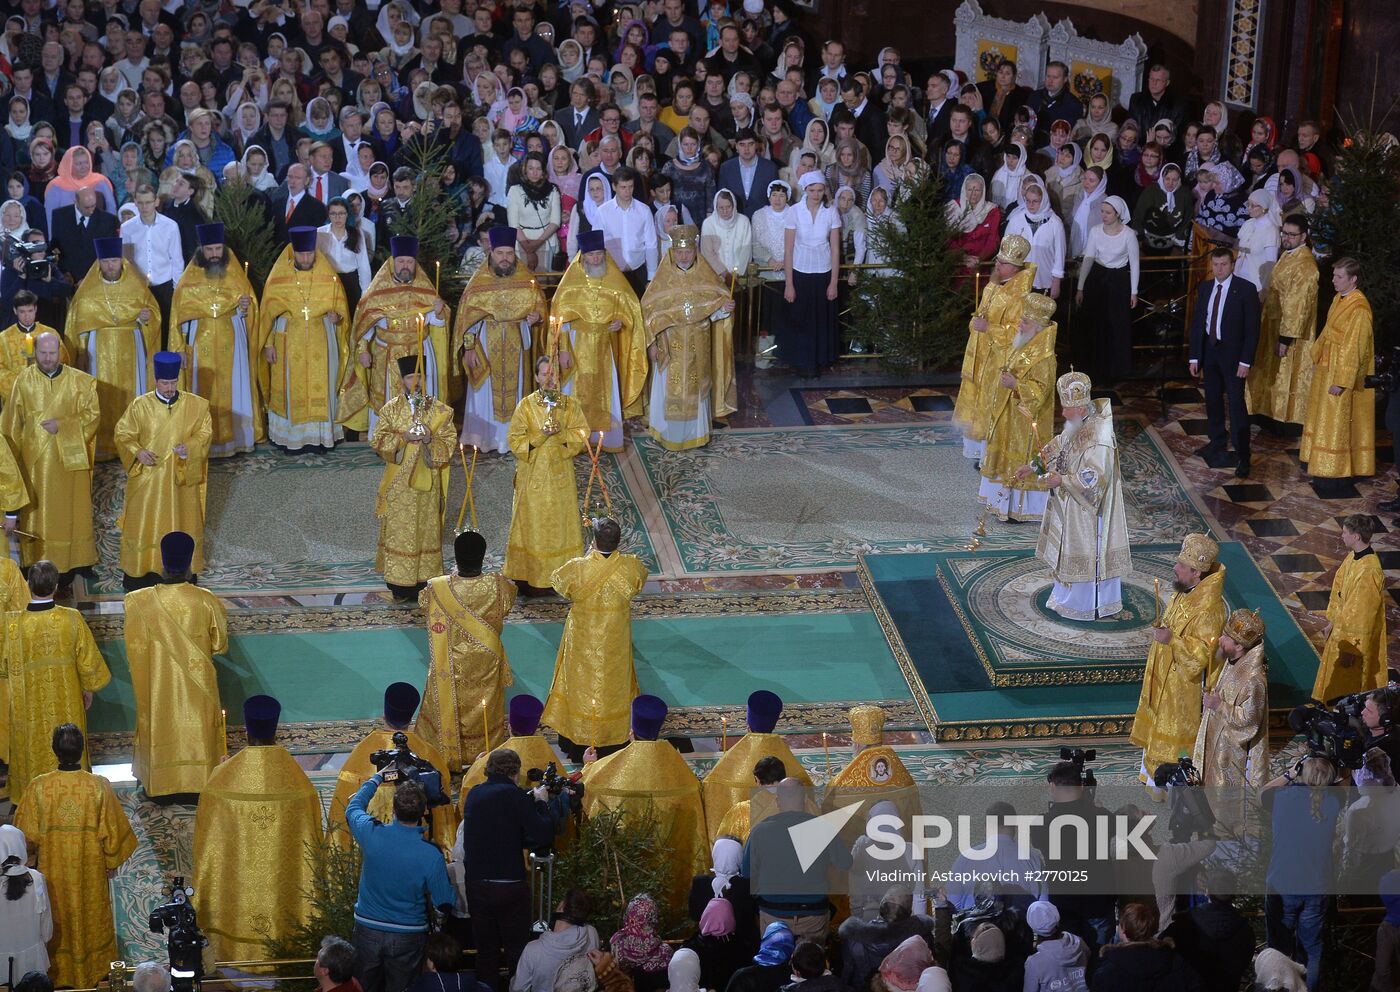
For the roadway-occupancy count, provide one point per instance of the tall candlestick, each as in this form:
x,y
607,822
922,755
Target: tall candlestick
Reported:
x,y
462,513
826,750
485,726
471,478
437,275
724,733
223,726
594,745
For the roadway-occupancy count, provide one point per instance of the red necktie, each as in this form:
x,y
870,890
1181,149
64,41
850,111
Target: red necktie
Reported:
x,y
320,195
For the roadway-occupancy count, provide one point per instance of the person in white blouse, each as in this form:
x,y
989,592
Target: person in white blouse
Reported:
x,y
532,208
769,237
1108,285
26,916
629,231
1036,221
155,249
726,238
344,244
1259,240
808,337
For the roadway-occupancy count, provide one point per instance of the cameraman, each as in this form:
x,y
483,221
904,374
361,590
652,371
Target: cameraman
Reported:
x,y
1378,717
1086,907
499,821
29,266
400,867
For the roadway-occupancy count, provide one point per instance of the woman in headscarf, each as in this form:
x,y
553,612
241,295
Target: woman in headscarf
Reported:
x,y
75,172
977,220
1290,191
622,88
1098,119
1093,187
1149,167
587,214
553,91
726,238
668,215
1062,179
808,333
1006,181
13,223
901,968
772,965
768,248
724,881
255,170
378,188
692,179
564,174
953,167
894,168
1163,213
517,119
1263,133
816,139
320,121
684,972
1034,219
1108,285
1259,240
18,126
532,208
721,951
357,167
988,966
1220,208
247,121
1122,175
26,916
571,64
184,157
849,169
1099,152
1216,116
741,113
126,118
638,948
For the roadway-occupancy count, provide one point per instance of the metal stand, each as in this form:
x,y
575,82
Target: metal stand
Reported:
x,y
542,890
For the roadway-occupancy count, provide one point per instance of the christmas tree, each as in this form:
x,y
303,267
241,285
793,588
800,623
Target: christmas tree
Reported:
x,y
247,228
913,311
430,217
1362,214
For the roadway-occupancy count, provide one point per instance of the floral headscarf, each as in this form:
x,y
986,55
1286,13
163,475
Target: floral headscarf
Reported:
x,y
637,945
901,968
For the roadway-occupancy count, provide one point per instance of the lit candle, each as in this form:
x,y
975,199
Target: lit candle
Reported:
x,y
724,733
594,745
485,725
223,724
437,275
826,750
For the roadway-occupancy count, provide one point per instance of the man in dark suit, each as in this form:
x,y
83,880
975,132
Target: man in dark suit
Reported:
x,y
324,182
1224,334
748,174
1054,102
72,118
73,230
940,109
1157,101
578,118
870,120
293,206
183,209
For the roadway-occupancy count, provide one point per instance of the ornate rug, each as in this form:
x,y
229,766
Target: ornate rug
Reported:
x,y
985,659
281,523
800,499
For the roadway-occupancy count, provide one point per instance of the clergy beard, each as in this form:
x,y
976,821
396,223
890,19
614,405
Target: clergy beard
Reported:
x,y
302,268
595,271
1072,428
504,271
402,279
215,269
1181,587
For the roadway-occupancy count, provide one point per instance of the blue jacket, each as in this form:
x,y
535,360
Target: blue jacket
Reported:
x,y
499,821
400,866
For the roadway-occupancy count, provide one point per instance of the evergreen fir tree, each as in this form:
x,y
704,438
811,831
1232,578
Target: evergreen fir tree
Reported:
x,y
1362,216
247,228
335,885
429,218
914,312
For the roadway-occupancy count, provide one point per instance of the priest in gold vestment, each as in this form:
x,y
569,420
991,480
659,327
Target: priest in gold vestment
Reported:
x,y
114,322
17,341
163,442
595,682
547,432
79,832
873,775
1232,747
990,331
14,595
690,341
651,774
303,331
1021,405
1281,379
414,435
1339,433
1084,532
731,781
173,630
1354,654
50,421
387,328
501,311
52,666
400,703
523,714
1182,658
597,331
256,816
467,666
214,318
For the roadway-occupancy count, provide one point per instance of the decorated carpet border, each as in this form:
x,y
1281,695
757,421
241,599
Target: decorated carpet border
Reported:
x,y
387,616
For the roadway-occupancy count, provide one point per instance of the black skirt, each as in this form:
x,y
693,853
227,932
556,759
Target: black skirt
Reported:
x,y
1105,335
806,329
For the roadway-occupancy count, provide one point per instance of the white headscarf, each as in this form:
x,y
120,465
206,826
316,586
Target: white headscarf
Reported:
x,y
962,217
1120,207
810,179
12,843
727,856
387,33
14,232
683,971
1169,193
1046,211
735,235
1078,158
1263,198
1009,179
591,209
1086,217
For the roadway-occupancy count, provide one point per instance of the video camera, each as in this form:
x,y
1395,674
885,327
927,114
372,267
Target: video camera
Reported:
x,y
1079,757
1387,375
34,267
184,941
1336,734
1189,812
400,764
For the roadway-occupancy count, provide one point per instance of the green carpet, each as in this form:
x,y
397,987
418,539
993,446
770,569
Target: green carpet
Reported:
x,y
279,523
769,499
961,693
338,676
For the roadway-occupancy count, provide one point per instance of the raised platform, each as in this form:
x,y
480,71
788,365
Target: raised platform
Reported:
x,y
985,660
